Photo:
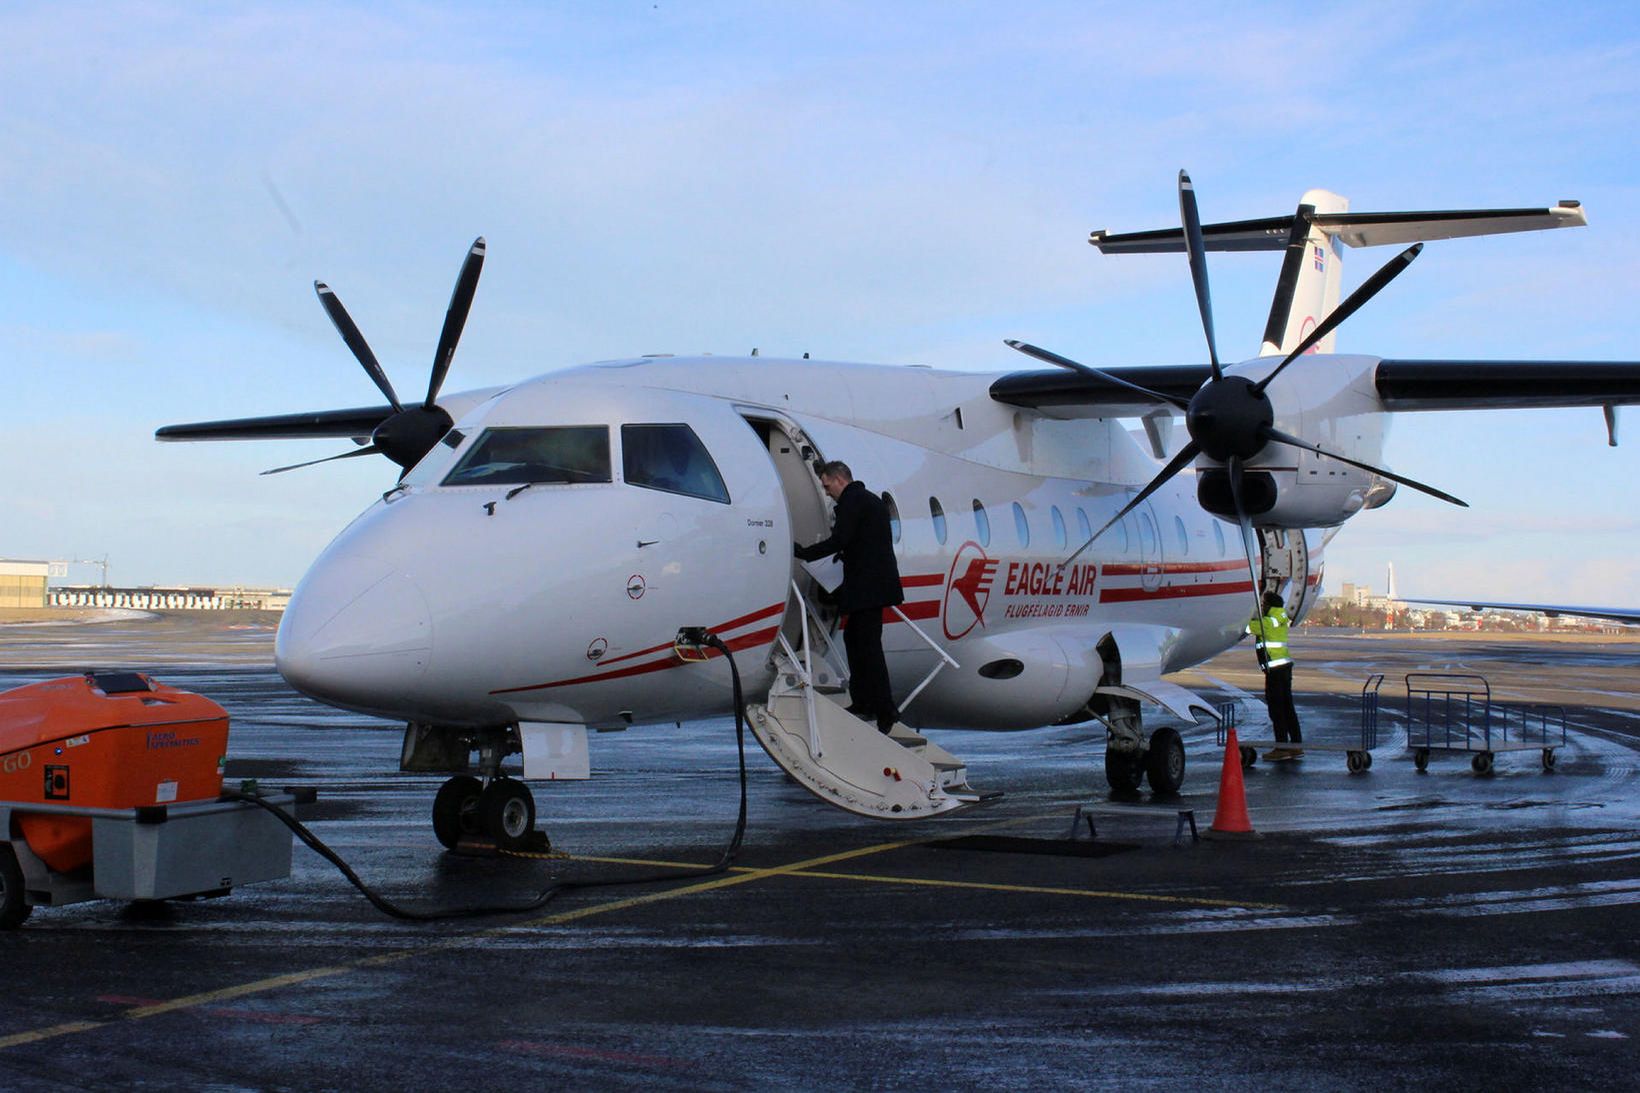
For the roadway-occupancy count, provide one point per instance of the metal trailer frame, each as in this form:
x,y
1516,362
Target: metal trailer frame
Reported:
x,y
193,850
1453,712
1357,757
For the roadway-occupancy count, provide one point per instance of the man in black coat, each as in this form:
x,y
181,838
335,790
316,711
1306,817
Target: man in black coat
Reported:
x,y
871,582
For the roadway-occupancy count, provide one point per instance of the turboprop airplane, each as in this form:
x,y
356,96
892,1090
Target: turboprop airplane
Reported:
x,y
552,548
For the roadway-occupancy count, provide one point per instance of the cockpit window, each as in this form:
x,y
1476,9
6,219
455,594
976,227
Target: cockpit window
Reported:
x,y
670,458
560,453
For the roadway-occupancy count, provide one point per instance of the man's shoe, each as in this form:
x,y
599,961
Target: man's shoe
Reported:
x,y
1295,753
862,713
1276,755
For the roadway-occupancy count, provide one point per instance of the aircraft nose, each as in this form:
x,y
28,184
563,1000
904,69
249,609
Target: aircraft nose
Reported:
x,y
357,633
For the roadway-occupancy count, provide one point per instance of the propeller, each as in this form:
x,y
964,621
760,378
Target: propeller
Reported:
x,y
1230,418
409,432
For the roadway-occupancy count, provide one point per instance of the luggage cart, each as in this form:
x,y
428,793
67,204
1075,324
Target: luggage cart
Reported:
x,y
194,850
1454,712
1357,756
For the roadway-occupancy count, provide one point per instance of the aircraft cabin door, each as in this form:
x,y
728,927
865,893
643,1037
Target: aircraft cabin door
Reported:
x,y
807,519
1286,566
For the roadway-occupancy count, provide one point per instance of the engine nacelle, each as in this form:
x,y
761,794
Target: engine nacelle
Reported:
x,y
1330,400
1018,680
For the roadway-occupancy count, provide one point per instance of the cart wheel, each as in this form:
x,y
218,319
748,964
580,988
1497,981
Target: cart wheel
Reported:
x,y
1548,759
1420,759
1249,756
507,812
1366,760
1482,763
1356,761
14,909
455,810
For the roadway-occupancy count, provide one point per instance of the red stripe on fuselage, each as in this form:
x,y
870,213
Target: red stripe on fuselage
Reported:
x,y
1169,592
1134,569
745,641
755,616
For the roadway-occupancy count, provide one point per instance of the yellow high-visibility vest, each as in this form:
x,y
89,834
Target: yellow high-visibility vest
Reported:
x,y
1270,635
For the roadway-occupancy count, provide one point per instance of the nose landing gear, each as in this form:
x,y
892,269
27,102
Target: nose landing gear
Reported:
x,y
501,813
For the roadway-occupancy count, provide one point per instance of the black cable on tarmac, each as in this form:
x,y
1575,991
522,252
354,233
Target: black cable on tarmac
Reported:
x,y
388,907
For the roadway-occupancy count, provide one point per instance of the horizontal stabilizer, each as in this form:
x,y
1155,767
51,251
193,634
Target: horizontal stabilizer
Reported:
x,y
1354,229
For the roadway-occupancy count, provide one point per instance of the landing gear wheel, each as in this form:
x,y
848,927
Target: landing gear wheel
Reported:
x,y
13,907
1548,759
1357,761
1164,763
1482,763
1420,759
1124,771
455,810
1249,756
507,812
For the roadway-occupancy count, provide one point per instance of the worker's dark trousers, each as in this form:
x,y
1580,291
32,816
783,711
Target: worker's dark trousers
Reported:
x,y
868,685
1278,695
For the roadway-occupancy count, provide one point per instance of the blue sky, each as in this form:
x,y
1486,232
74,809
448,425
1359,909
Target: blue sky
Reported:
x,y
899,183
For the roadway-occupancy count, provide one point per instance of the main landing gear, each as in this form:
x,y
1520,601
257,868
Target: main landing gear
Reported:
x,y
1130,758
502,813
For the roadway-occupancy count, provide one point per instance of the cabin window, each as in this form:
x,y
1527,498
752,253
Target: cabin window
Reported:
x,y
938,515
1127,537
1184,536
1147,535
670,458
982,524
893,515
1022,526
1059,533
569,454
1083,528
1218,536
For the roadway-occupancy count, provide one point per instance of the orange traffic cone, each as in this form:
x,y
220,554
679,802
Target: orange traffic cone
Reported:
x,y
1230,819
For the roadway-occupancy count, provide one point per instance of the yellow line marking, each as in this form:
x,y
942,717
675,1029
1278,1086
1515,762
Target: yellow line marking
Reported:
x,y
738,875
48,1033
260,986
1032,889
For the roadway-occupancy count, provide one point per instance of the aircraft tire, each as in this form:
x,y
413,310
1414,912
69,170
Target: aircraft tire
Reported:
x,y
507,813
1482,763
455,810
1124,772
1164,763
14,909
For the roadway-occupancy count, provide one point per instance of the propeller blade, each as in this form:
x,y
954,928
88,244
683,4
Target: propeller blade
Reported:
x,y
1235,468
1196,252
355,341
1186,454
368,449
1369,288
1049,357
455,317
1297,442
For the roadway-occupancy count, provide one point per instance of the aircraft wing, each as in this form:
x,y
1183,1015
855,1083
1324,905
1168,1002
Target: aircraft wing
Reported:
x,y
1553,610
1403,385
1355,229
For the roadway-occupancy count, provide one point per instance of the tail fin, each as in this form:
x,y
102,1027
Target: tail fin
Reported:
x,y
1311,272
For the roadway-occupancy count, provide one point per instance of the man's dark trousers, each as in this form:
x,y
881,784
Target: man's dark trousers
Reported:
x,y
1278,696
868,684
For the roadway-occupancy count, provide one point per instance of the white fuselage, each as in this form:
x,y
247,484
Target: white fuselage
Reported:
x,y
460,604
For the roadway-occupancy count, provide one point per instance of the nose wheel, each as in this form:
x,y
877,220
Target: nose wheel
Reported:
x,y
502,813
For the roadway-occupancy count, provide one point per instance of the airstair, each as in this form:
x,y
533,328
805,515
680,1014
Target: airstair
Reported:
x,y
844,761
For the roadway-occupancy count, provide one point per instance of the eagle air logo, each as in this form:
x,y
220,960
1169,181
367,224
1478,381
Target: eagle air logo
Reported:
x,y
967,590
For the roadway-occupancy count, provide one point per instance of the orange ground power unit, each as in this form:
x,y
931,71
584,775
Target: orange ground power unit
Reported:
x,y
103,740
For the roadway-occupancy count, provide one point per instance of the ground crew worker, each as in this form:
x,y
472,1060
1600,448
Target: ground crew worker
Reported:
x,y
1270,640
871,582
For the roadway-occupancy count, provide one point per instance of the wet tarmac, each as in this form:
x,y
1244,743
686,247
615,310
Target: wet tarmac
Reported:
x,y
1388,929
